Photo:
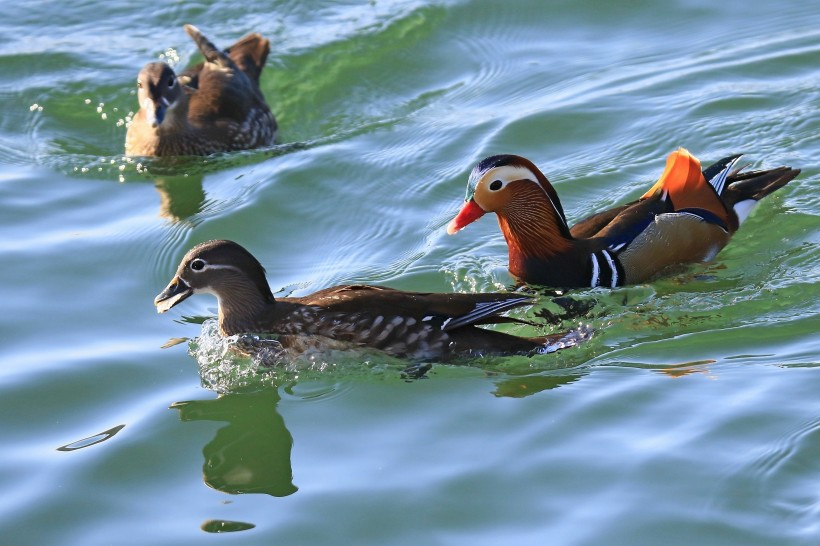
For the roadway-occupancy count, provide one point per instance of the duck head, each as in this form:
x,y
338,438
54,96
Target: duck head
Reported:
x,y
498,183
158,92
224,269
524,200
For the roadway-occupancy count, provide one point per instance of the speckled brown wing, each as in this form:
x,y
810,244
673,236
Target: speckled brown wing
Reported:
x,y
222,95
459,309
250,54
228,104
413,324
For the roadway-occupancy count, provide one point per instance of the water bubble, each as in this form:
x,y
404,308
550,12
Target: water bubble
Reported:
x,y
170,56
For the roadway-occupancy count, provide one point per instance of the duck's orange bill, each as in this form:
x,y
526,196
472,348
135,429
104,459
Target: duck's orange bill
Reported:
x,y
468,214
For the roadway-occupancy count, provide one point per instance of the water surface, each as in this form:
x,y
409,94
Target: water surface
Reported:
x,y
690,417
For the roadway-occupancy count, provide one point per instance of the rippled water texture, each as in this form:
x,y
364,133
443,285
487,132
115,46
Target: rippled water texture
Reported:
x,y
691,416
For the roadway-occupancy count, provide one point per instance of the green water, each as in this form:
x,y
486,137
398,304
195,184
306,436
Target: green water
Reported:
x,y
691,417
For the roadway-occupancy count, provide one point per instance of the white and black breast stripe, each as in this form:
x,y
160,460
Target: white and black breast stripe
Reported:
x,y
606,270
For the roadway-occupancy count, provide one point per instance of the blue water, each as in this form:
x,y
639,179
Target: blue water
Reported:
x,y
691,417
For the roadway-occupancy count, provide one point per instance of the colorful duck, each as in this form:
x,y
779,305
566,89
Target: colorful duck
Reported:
x,y
688,216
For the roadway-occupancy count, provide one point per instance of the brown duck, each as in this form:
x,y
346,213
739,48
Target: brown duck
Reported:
x,y
413,325
688,216
216,106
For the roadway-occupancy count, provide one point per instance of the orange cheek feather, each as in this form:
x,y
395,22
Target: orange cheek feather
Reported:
x,y
468,214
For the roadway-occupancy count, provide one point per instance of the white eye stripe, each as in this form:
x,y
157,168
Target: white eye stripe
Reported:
x,y
231,267
509,173
206,266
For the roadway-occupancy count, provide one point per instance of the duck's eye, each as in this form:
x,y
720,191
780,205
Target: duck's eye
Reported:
x,y
495,185
197,265
171,81
139,84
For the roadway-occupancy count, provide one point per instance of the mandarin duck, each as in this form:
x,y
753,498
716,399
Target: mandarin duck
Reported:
x,y
688,216
414,325
215,106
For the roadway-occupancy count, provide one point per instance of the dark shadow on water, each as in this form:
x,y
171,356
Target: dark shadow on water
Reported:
x,y
217,526
520,387
251,453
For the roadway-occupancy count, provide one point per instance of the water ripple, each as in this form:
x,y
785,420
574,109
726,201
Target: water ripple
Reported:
x,y
778,478
697,387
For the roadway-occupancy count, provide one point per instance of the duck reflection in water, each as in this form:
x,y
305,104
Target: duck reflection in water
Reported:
x,y
251,453
179,180
181,197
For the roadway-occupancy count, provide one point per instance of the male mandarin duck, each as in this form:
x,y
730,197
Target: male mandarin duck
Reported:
x,y
688,216
216,106
404,324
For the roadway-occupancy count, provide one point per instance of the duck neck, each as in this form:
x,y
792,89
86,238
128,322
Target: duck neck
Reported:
x,y
533,229
245,310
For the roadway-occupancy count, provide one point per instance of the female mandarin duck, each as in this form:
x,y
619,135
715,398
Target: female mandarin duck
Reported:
x,y
216,106
403,324
687,216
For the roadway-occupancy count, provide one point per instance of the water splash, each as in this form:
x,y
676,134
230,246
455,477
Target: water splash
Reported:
x,y
170,56
232,363
572,338
249,361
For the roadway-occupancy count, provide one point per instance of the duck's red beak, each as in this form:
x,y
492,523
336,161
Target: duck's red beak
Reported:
x,y
468,214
